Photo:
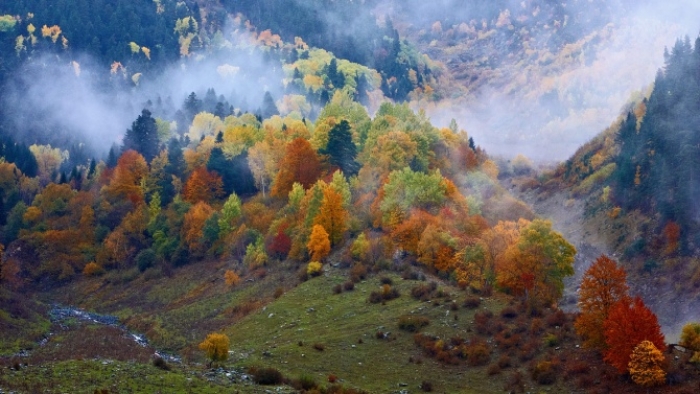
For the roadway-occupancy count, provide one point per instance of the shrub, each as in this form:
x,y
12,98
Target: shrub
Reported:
x,y
92,269
477,352
375,297
482,320
349,286
536,326
493,369
504,361
544,373
426,386
385,280
423,292
319,346
332,378
358,272
278,292
314,268
413,323
471,302
515,383
337,289
387,293
509,312
577,367
506,339
556,319
409,274
231,278
145,259
266,376
159,362
305,382
528,350
551,340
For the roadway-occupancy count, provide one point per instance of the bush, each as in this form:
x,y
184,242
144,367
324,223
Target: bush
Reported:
x,y
544,373
314,268
426,386
493,369
278,292
266,376
337,289
556,319
349,286
477,352
92,269
158,362
305,382
482,320
413,323
423,292
504,361
145,259
385,280
551,340
471,302
358,272
319,346
509,312
386,294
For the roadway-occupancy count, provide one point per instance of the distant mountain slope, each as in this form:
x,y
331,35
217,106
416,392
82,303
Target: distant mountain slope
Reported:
x,y
539,77
639,181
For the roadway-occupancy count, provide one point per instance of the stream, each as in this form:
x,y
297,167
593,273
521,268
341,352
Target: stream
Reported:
x,y
60,314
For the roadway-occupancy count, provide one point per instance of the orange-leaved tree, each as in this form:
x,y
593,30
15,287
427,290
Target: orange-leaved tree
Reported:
x,y
332,216
193,225
646,365
126,182
603,285
627,325
203,185
319,245
299,164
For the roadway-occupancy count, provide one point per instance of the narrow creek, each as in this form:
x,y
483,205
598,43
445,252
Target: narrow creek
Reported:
x,y
60,314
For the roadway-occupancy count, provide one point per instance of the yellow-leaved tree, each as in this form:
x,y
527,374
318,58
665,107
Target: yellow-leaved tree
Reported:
x,y
690,339
216,345
645,365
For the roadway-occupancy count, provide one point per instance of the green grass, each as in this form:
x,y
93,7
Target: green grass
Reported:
x,y
312,314
176,313
86,376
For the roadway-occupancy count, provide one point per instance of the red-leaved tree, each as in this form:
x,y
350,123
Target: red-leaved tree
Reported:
x,y
627,325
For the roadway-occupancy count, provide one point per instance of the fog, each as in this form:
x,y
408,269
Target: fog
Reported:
x,y
548,112
51,100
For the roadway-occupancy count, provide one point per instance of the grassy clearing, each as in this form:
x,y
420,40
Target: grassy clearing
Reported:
x,y
347,325
88,376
